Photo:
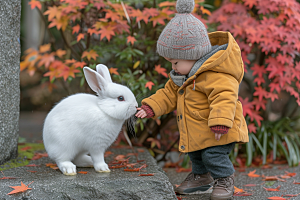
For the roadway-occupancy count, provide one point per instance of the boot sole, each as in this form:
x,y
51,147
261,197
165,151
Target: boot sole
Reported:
x,y
225,198
197,190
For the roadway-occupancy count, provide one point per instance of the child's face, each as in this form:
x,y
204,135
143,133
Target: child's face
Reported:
x,y
182,67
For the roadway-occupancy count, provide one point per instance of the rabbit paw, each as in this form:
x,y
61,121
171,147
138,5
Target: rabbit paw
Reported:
x,y
67,168
102,167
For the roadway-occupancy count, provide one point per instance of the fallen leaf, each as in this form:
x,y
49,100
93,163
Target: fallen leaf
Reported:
x,y
21,188
272,189
252,174
290,174
238,190
146,175
32,165
140,150
4,177
291,195
181,169
250,185
277,198
82,172
25,148
266,167
120,158
270,178
296,182
39,155
285,176
50,164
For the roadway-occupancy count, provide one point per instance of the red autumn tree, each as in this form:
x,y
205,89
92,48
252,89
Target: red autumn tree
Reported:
x,y
268,33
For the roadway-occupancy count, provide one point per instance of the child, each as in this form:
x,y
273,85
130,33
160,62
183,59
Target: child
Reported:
x,y
203,87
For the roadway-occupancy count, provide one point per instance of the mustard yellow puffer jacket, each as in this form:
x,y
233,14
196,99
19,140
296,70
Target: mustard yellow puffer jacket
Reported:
x,y
213,102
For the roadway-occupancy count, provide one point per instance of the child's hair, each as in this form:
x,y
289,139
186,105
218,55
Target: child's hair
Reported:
x,y
185,37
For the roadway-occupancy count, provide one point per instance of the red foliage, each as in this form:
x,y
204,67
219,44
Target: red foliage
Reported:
x,y
270,30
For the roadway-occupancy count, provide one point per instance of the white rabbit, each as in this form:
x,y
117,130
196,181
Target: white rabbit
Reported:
x,y
83,124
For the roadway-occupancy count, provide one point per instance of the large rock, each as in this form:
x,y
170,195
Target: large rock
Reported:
x,y
10,11
116,185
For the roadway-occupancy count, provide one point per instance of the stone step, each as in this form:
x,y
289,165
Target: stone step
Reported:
x,y
118,184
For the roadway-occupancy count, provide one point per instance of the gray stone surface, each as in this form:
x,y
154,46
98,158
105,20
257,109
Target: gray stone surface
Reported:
x,y
118,184
241,179
10,11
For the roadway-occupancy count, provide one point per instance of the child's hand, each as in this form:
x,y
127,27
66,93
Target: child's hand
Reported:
x,y
219,131
218,136
142,113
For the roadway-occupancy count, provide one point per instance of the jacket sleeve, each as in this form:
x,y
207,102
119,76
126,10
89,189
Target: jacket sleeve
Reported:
x,y
164,100
221,90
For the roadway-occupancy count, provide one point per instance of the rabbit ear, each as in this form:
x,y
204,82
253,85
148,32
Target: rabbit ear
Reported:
x,y
103,71
95,80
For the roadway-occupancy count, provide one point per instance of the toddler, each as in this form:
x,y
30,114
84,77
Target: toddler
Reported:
x,y
203,86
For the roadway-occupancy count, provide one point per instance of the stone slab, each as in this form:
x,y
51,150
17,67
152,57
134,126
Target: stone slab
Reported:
x,y
10,11
118,184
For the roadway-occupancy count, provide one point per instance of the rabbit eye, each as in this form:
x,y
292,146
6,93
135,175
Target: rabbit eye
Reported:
x,y
121,98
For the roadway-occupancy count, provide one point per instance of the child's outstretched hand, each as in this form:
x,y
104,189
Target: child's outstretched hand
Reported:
x,y
142,113
219,131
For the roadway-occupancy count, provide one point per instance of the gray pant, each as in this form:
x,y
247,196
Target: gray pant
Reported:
x,y
214,160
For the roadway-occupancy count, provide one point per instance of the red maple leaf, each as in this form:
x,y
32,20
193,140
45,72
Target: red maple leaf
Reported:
x,y
35,3
139,16
80,36
21,188
75,29
161,70
131,40
258,70
107,31
260,92
149,85
252,128
254,115
259,104
250,3
252,174
114,71
46,59
90,54
53,12
80,64
274,86
247,106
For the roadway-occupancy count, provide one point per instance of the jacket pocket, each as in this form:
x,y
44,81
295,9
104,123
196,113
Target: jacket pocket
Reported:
x,y
201,114
238,114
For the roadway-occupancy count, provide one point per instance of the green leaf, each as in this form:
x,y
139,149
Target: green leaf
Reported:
x,y
82,80
258,143
270,183
185,162
265,147
285,153
249,147
292,153
274,145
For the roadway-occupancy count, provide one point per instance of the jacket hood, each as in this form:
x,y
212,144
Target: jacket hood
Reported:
x,y
227,61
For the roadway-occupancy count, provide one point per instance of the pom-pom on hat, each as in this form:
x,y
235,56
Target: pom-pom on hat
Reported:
x,y
185,37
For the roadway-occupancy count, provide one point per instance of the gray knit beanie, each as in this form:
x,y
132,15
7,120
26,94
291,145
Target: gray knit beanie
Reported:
x,y
185,37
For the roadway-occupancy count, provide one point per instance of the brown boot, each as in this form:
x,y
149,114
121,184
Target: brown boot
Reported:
x,y
223,188
195,184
